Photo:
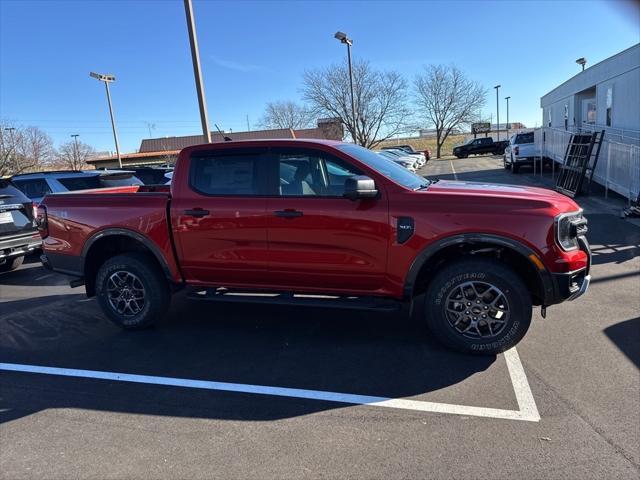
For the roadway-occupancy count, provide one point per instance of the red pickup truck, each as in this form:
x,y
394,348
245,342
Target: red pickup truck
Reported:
x,y
323,223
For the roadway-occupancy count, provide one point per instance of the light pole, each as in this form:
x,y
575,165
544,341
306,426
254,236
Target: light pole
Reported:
x,y
507,99
107,79
582,61
497,87
76,153
349,42
197,73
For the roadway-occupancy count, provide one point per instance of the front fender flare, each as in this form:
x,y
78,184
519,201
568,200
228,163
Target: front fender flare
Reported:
x,y
430,251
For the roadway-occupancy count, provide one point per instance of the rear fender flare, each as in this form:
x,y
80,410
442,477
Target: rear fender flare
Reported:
x,y
148,243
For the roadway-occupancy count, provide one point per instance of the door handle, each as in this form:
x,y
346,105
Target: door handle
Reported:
x,y
197,212
288,213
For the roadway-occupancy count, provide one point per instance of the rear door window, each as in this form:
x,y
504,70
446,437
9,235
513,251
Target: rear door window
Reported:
x,y
227,174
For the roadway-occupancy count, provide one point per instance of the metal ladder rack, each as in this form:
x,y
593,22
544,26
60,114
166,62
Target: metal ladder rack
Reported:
x,y
580,160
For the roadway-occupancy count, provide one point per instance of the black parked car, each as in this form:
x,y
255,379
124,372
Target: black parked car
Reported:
x,y
479,146
18,233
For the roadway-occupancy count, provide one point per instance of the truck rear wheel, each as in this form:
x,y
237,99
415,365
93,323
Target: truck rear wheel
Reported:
x,y
132,290
478,305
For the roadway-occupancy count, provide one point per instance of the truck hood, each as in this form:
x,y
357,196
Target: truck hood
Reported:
x,y
507,192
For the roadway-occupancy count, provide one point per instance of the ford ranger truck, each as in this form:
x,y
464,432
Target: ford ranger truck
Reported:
x,y
323,223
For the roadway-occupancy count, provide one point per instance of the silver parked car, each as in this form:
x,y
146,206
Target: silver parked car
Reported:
x,y
408,162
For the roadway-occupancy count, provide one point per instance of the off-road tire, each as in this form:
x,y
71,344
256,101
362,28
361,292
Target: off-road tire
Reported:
x,y
157,293
11,264
483,271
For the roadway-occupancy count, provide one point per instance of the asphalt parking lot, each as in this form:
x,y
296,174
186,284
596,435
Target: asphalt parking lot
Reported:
x,y
239,391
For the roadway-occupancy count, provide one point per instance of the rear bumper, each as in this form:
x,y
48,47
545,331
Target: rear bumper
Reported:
x,y
19,246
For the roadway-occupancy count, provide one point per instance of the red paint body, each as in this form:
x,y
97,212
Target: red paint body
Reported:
x,y
338,246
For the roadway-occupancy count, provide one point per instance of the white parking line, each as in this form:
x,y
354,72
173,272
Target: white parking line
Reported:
x,y
527,406
455,175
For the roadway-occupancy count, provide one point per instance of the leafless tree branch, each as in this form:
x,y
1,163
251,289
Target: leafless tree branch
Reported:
x,y
380,98
286,114
447,99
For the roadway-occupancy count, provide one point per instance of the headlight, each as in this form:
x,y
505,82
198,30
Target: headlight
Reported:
x,y
568,227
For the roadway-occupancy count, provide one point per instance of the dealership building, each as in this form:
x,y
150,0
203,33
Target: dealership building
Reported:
x,y
605,96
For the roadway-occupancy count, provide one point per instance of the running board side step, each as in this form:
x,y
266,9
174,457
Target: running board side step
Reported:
x,y
304,300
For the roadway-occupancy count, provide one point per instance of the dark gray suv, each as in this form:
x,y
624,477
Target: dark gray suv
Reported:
x,y
18,233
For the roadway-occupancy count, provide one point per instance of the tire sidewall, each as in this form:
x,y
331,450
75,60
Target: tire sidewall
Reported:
x,y
148,277
510,284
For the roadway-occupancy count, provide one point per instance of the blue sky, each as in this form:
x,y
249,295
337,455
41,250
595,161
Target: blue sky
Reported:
x,y
255,52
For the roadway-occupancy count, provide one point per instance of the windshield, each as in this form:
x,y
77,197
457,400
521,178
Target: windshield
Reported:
x,y
388,168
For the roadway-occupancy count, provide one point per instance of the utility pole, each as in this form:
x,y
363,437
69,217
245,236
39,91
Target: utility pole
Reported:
x,y
195,57
497,87
248,125
76,152
107,79
349,42
507,99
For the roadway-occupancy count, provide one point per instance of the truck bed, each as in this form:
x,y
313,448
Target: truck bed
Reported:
x,y
75,219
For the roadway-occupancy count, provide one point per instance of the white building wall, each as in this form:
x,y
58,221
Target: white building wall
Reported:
x,y
621,73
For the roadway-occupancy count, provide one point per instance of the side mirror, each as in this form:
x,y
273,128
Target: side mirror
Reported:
x,y
358,187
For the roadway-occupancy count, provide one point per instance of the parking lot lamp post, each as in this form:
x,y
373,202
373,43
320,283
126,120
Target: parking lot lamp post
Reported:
x,y
507,99
497,87
107,79
349,42
76,152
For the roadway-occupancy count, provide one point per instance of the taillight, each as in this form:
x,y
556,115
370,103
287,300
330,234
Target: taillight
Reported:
x,y
42,222
516,150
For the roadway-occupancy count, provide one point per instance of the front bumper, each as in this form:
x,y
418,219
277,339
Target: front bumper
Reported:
x,y
569,286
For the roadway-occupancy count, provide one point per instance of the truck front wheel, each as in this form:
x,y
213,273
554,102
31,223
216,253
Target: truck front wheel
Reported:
x,y
478,305
132,290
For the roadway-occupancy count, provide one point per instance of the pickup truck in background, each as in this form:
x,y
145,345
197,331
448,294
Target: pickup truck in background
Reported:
x,y
322,223
520,151
480,146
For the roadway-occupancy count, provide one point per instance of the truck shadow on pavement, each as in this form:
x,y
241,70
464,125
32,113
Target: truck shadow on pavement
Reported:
x,y
33,276
626,336
318,349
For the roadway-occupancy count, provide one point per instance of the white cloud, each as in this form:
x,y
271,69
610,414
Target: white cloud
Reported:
x,y
237,66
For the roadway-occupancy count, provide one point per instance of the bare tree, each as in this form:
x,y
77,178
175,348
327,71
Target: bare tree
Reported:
x,y
286,114
380,99
23,149
447,99
72,157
